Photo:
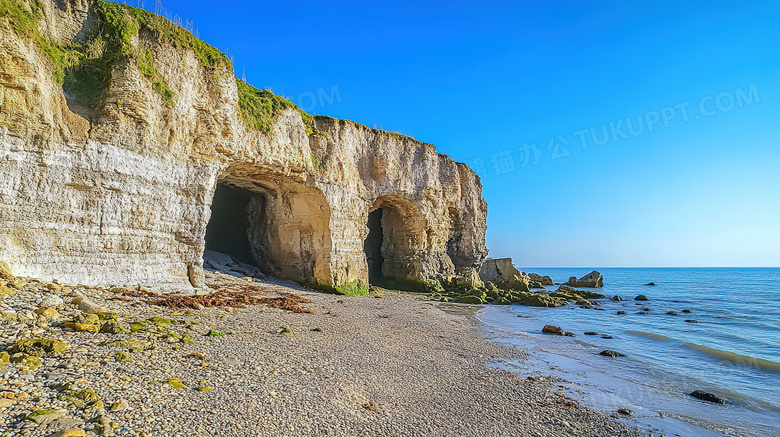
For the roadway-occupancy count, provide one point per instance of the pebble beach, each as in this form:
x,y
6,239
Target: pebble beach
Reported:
x,y
389,364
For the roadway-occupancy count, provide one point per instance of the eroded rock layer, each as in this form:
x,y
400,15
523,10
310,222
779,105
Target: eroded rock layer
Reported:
x,y
119,191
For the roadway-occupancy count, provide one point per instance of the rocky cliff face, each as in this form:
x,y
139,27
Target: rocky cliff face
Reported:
x,y
118,189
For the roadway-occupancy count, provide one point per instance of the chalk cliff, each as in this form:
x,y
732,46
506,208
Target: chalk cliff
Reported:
x,y
118,128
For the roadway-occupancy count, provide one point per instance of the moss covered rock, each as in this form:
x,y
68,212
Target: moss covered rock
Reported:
x,y
86,399
112,327
476,300
30,361
501,301
39,347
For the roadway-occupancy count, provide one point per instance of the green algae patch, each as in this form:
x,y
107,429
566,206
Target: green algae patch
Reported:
x,y
39,347
175,383
203,387
5,359
213,333
186,339
86,399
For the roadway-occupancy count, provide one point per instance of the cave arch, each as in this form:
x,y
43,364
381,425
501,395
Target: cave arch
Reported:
x,y
274,222
396,237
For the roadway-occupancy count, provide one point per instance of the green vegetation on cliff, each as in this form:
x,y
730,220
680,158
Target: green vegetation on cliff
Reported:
x,y
84,67
259,107
24,22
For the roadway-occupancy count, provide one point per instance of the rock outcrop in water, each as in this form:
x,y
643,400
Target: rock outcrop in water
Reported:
x,y
591,280
119,131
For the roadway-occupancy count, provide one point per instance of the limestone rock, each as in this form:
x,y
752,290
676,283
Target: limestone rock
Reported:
x,y
122,192
51,301
544,280
591,280
88,306
493,269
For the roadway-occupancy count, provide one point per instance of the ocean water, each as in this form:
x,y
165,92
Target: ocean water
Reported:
x,y
733,350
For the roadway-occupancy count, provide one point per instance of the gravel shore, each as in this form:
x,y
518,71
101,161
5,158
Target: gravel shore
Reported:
x,y
389,364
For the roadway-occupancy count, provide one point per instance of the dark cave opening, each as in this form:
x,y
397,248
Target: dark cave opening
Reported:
x,y
373,247
228,230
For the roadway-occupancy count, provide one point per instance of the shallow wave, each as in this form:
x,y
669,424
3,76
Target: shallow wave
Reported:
x,y
658,337
735,358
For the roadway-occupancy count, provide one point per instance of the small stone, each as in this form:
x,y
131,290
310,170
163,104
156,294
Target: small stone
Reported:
x,y
625,411
621,313
691,321
591,333
672,313
709,397
612,354
552,329
69,433
88,306
120,405
641,297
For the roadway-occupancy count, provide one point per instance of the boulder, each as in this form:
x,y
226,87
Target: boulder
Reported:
x,y
591,333
591,280
493,269
709,397
476,300
641,297
501,301
538,300
514,282
622,313
544,280
616,299
552,329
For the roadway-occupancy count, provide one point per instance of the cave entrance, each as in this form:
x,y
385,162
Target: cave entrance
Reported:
x,y
373,247
396,235
279,227
228,229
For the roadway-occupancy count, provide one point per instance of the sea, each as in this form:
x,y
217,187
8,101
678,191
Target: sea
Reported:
x,y
732,349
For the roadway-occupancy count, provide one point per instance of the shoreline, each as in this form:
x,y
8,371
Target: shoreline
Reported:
x,y
394,365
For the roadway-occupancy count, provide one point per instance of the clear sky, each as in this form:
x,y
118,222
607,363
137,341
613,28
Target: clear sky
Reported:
x,y
693,181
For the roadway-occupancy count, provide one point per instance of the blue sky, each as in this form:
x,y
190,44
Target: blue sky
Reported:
x,y
482,79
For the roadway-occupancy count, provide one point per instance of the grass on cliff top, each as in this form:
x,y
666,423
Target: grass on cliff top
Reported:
x,y
258,108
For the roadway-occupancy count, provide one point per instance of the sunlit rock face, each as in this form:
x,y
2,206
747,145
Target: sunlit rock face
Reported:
x,y
121,193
